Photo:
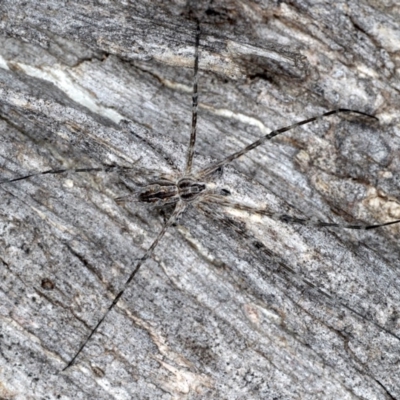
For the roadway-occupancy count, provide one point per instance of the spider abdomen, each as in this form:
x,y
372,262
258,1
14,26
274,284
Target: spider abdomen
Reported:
x,y
156,193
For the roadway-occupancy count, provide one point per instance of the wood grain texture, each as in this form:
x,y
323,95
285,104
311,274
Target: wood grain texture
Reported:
x,y
229,307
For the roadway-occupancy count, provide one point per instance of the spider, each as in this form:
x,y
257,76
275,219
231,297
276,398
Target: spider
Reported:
x,y
190,189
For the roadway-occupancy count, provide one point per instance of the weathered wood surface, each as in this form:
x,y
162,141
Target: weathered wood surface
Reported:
x,y
215,313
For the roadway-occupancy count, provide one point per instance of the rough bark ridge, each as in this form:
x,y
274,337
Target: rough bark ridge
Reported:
x,y
234,306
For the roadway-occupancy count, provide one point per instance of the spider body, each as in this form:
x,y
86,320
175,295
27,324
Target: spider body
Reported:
x,y
167,191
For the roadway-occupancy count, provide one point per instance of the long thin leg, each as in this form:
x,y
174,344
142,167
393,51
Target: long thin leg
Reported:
x,y
213,167
195,96
106,168
180,207
223,201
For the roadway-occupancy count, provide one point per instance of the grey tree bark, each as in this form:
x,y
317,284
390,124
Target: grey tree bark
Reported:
x,y
230,306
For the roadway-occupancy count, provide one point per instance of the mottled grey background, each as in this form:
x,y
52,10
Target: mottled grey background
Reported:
x,y
231,306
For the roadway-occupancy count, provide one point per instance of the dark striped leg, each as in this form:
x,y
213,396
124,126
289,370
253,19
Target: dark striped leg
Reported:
x,y
213,167
106,168
189,160
180,207
223,201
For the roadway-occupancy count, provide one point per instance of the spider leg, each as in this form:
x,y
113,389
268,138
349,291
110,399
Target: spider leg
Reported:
x,y
189,160
179,209
211,168
223,201
105,168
